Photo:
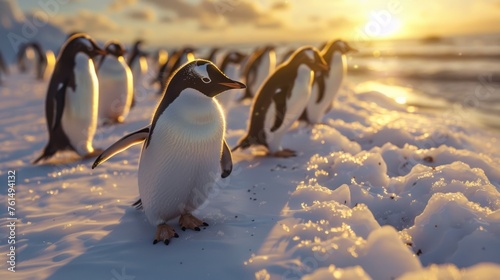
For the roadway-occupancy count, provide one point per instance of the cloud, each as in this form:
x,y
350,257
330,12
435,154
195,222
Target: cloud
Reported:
x,y
85,21
280,6
167,19
341,22
269,23
118,5
180,8
144,14
211,14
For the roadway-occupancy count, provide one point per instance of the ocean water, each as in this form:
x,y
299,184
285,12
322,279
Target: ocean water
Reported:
x,y
459,76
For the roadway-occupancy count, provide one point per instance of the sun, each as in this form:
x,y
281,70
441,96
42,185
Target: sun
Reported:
x,y
382,24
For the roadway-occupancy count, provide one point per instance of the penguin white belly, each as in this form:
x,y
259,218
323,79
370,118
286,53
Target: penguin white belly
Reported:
x,y
79,119
139,68
225,98
295,105
115,89
315,110
182,162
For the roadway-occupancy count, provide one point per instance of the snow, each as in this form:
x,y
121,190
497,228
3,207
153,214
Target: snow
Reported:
x,y
379,191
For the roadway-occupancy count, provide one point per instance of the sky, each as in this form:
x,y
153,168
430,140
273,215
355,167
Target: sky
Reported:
x,y
179,22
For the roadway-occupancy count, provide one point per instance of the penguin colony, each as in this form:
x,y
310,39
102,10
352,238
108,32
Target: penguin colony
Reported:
x,y
184,144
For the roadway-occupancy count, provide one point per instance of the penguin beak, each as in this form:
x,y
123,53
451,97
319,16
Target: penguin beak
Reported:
x,y
353,50
100,51
233,84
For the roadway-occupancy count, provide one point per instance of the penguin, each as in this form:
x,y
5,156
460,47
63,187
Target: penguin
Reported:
x,y
72,96
116,88
177,59
32,51
213,55
183,150
326,84
137,61
258,67
231,66
281,100
160,58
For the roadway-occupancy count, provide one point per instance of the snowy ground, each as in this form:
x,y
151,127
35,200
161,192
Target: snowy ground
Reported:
x,y
379,191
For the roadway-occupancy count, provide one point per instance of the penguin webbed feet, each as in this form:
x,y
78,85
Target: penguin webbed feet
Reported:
x,y
188,221
284,153
164,233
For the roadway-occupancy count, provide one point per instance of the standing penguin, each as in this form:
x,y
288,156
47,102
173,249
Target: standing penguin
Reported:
x,y
281,100
326,84
72,96
138,63
212,56
159,58
259,66
231,66
183,148
32,52
116,89
177,59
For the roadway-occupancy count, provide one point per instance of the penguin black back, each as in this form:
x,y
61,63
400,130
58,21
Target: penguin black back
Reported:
x,y
252,67
212,54
232,57
135,53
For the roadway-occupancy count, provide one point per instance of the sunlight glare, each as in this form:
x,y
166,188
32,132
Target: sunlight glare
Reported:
x,y
382,24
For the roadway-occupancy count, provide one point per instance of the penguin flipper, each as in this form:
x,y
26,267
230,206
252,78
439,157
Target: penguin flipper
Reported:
x,y
122,144
226,161
138,204
279,99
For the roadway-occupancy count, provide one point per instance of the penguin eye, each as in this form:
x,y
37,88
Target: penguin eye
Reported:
x,y
206,80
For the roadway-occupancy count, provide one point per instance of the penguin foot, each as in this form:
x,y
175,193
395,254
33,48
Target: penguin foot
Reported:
x,y
164,233
189,221
285,153
93,154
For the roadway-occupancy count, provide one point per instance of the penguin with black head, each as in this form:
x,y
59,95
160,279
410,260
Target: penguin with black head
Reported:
x,y
184,150
281,100
72,99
